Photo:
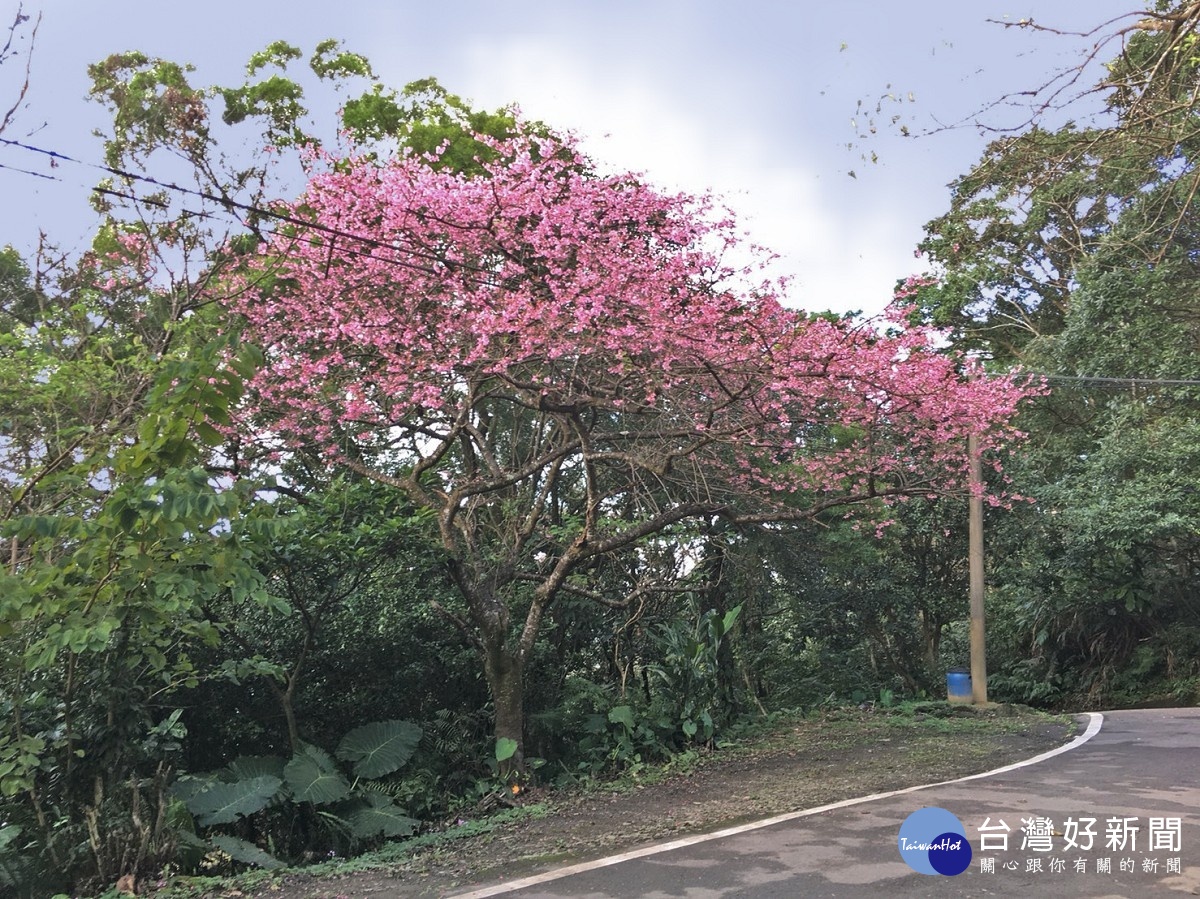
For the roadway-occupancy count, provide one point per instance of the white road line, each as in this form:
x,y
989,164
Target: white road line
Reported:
x,y
1093,728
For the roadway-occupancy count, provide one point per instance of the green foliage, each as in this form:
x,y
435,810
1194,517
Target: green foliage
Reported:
x,y
312,777
355,571
329,61
1072,252
153,103
278,53
281,802
277,99
13,866
624,741
379,817
428,119
245,853
116,537
506,748
622,715
140,562
687,672
380,748
20,757
221,802
456,754
147,540
249,767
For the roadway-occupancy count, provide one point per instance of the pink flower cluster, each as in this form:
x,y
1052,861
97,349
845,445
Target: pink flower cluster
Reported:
x,y
425,309
912,285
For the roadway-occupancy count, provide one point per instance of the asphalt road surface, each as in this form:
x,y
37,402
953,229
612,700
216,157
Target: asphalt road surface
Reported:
x,y
1129,786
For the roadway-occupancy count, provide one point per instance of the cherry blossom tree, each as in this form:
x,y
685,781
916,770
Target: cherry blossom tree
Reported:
x,y
561,367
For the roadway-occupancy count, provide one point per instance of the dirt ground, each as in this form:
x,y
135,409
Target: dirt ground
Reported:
x,y
811,762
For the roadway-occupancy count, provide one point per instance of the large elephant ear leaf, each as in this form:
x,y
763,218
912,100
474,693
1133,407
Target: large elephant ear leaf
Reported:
x,y
314,777
379,816
246,853
256,765
379,748
221,802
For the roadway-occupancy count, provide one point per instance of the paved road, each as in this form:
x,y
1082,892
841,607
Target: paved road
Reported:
x,y
1140,765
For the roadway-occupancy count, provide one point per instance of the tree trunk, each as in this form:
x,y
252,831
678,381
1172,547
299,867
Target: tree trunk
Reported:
x,y
505,672
931,634
718,593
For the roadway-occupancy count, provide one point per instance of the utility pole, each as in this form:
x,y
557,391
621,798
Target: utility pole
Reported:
x,y
975,559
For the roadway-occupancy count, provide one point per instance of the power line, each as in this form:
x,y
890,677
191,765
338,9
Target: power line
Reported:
x,y
342,251
13,168
231,204
1101,379
1126,382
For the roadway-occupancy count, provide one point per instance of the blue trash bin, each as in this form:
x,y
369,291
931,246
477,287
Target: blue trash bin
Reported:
x,y
958,686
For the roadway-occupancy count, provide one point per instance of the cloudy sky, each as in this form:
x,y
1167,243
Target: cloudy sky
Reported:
x,y
760,105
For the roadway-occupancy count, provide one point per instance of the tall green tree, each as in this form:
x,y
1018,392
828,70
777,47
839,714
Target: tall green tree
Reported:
x,y
116,532
119,521
1073,252
125,501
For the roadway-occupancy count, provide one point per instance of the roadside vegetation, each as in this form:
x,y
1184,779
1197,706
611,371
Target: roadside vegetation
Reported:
x,y
775,765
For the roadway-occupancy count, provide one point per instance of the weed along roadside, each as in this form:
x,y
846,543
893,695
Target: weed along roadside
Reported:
x,y
787,763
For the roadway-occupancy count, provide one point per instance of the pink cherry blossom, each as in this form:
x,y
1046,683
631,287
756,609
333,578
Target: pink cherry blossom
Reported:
x,y
426,304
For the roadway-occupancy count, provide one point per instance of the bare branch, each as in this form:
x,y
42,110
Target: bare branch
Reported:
x,y
7,52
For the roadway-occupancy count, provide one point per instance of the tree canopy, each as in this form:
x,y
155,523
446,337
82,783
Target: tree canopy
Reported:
x,y
1072,250
560,366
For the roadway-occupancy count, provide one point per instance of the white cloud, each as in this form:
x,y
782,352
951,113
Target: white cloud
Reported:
x,y
631,117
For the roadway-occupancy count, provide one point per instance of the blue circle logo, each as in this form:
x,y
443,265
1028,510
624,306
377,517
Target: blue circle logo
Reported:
x,y
933,841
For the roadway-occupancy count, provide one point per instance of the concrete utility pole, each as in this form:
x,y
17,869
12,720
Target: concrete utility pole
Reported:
x,y
975,558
